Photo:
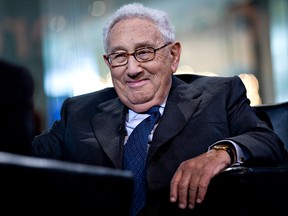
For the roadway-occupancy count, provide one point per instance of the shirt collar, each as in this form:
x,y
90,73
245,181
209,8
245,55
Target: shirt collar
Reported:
x,y
133,115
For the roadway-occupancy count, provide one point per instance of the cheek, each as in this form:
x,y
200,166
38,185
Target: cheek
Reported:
x,y
162,77
163,69
164,62
117,78
116,73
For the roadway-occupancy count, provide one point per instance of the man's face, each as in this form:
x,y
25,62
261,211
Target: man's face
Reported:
x,y
141,85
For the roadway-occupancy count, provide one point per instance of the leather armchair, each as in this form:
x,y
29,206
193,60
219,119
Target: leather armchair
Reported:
x,y
276,115
251,190
36,186
254,190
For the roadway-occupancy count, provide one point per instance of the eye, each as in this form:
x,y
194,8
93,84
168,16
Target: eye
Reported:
x,y
144,53
119,55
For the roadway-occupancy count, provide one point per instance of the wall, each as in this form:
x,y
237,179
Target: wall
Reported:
x,y
60,41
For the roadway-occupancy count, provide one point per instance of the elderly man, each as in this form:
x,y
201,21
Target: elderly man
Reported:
x,y
200,128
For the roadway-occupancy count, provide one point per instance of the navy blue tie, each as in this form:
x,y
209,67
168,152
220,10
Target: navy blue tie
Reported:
x,y
135,152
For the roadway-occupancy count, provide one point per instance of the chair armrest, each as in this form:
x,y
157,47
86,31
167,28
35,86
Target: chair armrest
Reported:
x,y
246,190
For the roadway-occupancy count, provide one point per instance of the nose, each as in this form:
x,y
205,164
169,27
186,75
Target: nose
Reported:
x,y
133,66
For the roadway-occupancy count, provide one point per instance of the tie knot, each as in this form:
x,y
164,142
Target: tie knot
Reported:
x,y
153,109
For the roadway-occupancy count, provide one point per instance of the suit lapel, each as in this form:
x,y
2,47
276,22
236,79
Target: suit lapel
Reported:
x,y
181,105
107,125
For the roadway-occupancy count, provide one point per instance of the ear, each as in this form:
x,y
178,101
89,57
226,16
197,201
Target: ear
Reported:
x,y
175,53
106,60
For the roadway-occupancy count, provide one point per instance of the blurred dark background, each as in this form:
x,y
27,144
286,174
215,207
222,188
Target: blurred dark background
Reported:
x,y
60,42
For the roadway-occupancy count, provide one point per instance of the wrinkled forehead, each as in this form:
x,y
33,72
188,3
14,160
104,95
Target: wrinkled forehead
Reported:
x,y
134,30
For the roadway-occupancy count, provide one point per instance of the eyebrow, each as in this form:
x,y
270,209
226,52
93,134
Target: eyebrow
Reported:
x,y
137,45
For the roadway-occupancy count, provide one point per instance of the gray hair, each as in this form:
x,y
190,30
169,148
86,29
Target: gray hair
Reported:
x,y
158,17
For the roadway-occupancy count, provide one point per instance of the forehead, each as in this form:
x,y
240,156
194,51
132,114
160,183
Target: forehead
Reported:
x,y
132,31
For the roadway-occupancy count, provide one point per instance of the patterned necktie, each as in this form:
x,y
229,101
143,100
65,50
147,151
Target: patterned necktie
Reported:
x,y
135,152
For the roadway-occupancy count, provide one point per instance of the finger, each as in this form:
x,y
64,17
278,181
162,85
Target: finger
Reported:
x,y
202,188
174,186
185,188
193,192
193,189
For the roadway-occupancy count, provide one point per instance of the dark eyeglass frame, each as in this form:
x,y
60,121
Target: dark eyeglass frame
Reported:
x,y
134,54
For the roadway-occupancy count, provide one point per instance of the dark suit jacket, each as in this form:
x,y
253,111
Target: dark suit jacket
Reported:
x,y
17,128
196,115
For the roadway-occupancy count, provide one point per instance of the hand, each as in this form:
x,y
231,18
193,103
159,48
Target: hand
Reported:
x,y
191,180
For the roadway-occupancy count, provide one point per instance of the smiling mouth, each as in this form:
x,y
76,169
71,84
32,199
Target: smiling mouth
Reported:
x,y
137,83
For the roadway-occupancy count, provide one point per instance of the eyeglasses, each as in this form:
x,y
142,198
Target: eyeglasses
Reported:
x,y
143,54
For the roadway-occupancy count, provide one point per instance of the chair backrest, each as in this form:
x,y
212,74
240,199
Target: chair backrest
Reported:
x,y
36,186
276,115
